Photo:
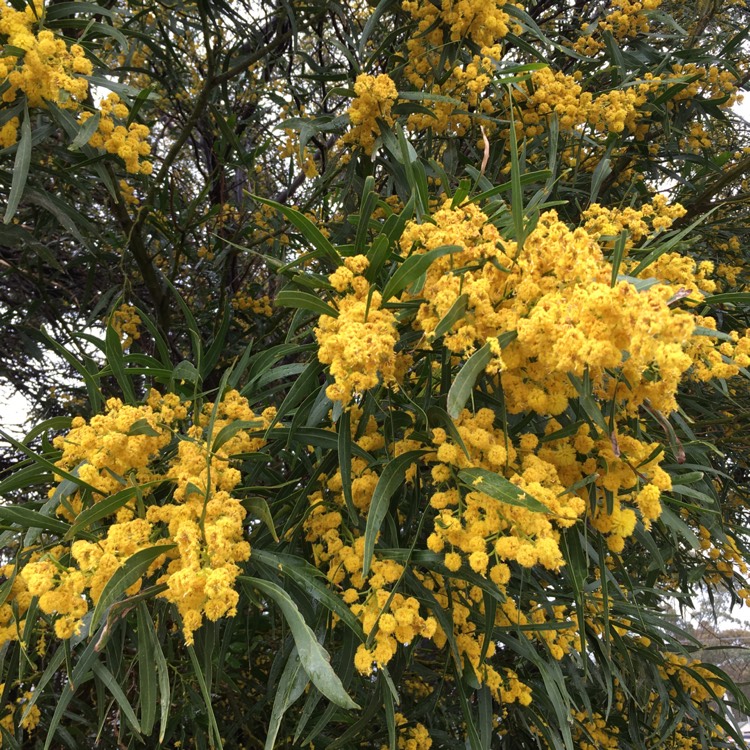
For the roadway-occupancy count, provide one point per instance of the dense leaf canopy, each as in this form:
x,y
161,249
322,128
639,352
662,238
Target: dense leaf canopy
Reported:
x,y
388,365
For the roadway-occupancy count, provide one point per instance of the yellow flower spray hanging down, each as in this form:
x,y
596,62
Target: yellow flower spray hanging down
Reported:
x,y
202,521
359,343
48,71
375,96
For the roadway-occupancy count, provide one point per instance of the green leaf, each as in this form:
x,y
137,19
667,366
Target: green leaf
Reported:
x,y
394,225
106,507
79,674
672,521
186,371
227,432
116,363
124,577
344,445
367,206
142,427
314,658
25,477
54,423
146,669
454,314
193,330
390,712
319,437
742,298
41,461
92,389
102,673
377,256
305,301
292,684
712,333
309,231
302,387
641,285
413,267
31,519
259,508
85,132
618,254
391,479
516,187
20,168
464,383
63,10
481,480
311,580
147,628
206,697
602,171
218,344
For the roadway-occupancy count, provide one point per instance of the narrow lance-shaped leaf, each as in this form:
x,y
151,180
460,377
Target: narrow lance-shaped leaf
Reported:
x,y
391,479
20,168
124,577
314,658
413,267
292,684
464,383
305,301
309,231
482,480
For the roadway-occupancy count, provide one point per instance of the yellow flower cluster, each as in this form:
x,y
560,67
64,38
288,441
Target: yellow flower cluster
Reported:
x,y
478,21
125,320
483,24
115,446
710,360
398,621
359,343
692,678
202,521
375,97
257,305
9,132
723,559
463,89
627,19
29,722
705,82
19,598
304,158
556,295
460,598
48,70
129,143
127,192
604,222
556,92
682,271
394,618
488,532
594,732
479,241
414,737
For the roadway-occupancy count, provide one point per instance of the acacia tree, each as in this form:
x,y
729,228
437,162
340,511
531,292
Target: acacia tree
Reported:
x,y
399,383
